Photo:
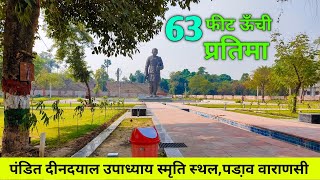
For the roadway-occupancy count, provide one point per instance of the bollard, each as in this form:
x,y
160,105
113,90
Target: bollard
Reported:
x,y
225,106
42,144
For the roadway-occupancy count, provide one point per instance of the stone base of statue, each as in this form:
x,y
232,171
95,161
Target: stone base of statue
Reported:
x,y
155,99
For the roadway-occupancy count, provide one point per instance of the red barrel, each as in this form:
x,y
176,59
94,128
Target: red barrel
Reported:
x,y
145,142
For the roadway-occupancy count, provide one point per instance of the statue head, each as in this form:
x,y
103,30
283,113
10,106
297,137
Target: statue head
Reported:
x,y
154,51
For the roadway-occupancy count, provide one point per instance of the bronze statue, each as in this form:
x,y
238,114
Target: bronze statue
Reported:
x,y
152,71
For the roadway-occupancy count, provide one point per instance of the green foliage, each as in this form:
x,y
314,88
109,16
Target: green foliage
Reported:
x,y
44,79
58,112
101,78
261,78
138,77
49,63
132,78
92,110
104,103
30,120
24,10
116,25
164,85
296,65
199,85
44,117
291,102
78,111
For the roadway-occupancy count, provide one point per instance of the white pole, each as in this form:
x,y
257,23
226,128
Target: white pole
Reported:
x,y
50,90
42,144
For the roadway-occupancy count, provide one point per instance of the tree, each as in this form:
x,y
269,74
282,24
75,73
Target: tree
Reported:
x,y
45,79
261,78
201,71
101,78
224,77
106,64
245,77
296,64
139,76
164,85
198,84
177,82
224,88
49,63
79,69
117,26
132,78
238,88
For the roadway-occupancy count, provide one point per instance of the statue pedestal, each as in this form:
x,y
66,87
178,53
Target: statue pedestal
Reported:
x,y
155,99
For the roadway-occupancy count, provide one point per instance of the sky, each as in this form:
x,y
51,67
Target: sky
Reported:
x,y
296,17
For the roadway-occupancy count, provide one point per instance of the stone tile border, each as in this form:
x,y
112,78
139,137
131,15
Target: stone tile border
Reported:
x,y
295,140
278,135
165,138
96,142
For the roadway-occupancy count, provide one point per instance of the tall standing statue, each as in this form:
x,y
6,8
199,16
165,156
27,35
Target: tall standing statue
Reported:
x,y
152,71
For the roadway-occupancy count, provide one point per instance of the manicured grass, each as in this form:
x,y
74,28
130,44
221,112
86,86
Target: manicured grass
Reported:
x,y
305,105
136,122
75,104
282,114
68,126
262,114
247,106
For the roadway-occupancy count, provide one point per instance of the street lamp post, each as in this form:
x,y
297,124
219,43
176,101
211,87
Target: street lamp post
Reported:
x,y
106,64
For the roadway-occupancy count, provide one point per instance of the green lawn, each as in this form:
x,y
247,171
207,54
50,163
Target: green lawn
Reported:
x,y
234,106
275,114
68,126
305,105
75,104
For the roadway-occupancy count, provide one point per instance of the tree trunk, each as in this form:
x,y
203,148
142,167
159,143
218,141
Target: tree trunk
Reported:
x,y
302,95
296,93
262,94
89,93
17,43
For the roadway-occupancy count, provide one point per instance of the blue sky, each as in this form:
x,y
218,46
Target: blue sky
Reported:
x,y
297,17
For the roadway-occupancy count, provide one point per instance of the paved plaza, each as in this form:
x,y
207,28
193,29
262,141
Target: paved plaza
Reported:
x,y
209,138
289,126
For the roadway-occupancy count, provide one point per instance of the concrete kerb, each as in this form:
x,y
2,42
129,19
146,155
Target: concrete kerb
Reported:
x,y
165,138
97,141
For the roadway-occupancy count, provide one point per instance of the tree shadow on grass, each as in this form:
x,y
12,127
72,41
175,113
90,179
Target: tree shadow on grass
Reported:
x,y
68,133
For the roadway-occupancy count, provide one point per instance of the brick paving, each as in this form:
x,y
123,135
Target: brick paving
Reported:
x,y
209,138
293,127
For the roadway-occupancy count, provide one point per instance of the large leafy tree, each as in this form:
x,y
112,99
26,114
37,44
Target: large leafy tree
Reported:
x,y
45,79
164,85
140,77
101,78
261,78
198,84
49,62
116,25
296,65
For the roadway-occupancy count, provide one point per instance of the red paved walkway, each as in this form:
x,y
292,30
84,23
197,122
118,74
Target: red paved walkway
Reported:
x,y
208,138
300,129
